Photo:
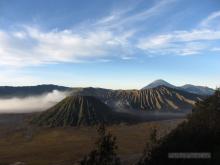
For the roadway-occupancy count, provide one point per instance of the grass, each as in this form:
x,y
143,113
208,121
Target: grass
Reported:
x,y
65,146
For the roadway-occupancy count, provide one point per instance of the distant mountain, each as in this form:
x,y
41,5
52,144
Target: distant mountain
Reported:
x,y
90,91
24,91
200,90
157,83
161,98
80,110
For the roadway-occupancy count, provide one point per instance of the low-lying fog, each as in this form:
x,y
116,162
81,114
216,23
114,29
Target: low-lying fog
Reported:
x,y
45,101
31,103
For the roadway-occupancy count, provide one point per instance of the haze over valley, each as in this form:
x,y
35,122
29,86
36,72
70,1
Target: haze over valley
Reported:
x,y
160,97
31,103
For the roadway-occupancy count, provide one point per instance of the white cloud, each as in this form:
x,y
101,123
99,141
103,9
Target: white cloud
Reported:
x,y
213,17
195,35
32,103
122,19
180,42
99,40
188,42
31,46
215,49
103,40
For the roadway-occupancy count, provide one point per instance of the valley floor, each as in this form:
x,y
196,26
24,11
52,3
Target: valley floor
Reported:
x,y
66,146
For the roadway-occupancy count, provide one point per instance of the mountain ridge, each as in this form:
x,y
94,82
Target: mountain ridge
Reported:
x,y
201,90
161,98
91,106
25,91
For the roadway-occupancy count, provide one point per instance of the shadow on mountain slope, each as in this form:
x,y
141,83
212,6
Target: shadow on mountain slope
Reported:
x,y
200,133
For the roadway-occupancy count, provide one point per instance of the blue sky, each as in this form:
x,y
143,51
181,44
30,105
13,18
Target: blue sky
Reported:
x,y
112,44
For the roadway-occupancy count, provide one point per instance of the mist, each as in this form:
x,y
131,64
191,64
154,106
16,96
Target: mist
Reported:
x,y
31,103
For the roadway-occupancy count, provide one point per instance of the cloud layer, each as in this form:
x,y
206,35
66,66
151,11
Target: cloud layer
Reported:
x,y
31,104
30,46
107,38
181,42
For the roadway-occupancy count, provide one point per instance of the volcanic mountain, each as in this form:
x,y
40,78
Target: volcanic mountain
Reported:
x,y
157,83
161,98
80,110
200,90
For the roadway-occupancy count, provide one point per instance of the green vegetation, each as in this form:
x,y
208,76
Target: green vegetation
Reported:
x,y
105,152
150,145
201,133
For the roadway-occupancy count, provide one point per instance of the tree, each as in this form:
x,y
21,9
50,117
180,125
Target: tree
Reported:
x,y
150,145
199,134
105,152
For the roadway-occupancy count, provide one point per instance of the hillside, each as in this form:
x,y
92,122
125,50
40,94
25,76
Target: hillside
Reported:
x,y
80,110
24,91
200,133
161,98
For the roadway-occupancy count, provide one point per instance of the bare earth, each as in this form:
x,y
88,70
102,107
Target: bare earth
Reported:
x,y
66,146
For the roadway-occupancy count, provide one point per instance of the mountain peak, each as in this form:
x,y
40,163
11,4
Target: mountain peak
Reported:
x,y
159,82
200,90
81,110
73,111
